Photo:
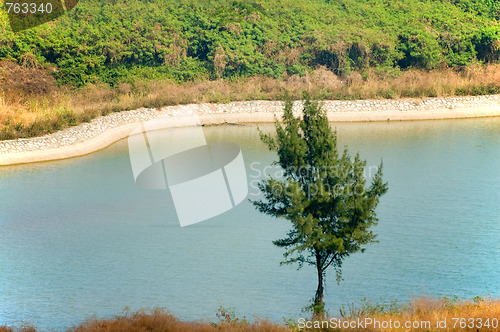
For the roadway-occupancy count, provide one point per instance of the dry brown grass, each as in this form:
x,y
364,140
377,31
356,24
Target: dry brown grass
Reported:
x,y
24,328
419,310
432,310
426,312
31,104
159,321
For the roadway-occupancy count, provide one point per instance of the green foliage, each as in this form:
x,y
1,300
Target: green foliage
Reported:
x,y
391,307
451,302
184,40
227,317
488,43
323,194
479,90
369,308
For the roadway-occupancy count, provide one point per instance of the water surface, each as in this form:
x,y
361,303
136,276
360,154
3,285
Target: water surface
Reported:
x,y
79,238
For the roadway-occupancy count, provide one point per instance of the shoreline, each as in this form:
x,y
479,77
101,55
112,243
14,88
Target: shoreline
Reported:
x,y
105,130
429,312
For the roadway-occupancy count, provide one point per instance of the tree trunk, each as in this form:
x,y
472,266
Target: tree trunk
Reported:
x,y
319,306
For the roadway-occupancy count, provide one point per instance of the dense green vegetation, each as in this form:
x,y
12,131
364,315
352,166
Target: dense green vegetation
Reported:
x,y
114,41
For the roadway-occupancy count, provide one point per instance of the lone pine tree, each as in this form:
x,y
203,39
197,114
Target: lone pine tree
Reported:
x,y
323,193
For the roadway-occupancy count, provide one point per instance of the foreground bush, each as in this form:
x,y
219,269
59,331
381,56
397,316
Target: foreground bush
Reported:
x,y
160,321
423,314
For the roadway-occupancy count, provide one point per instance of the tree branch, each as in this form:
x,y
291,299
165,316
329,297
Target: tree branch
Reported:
x,y
331,261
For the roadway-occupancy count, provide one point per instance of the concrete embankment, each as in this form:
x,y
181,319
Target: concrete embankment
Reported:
x,y
103,131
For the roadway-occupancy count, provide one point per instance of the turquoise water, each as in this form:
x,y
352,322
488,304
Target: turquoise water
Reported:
x,y
78,238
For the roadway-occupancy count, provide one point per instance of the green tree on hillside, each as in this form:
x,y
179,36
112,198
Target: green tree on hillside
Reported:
x,y
323,194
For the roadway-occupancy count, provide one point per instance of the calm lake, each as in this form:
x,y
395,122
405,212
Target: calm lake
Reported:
x,y
78,238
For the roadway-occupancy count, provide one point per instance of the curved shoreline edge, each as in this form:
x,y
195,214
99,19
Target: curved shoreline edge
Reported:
x,y
115,128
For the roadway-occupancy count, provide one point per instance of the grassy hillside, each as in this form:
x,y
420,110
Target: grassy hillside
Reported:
x,y
122,40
